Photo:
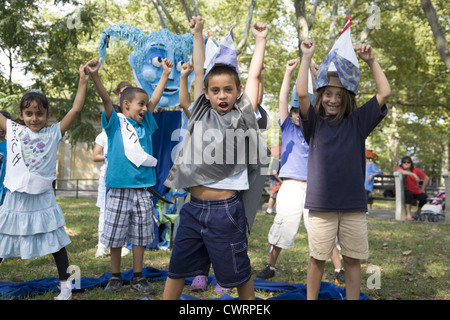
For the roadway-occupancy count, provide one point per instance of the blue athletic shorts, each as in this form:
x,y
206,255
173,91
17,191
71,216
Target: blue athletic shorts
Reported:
x,y
212,232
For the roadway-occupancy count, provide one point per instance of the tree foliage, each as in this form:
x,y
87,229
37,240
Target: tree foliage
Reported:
x,y
51,44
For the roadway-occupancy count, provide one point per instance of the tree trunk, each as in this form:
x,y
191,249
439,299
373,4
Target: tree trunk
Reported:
x,y
248,25
333,25
438,31
301,23
187,9
195,7
161,6
162,20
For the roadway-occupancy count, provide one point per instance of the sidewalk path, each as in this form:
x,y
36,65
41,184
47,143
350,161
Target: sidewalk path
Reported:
x,y
382,214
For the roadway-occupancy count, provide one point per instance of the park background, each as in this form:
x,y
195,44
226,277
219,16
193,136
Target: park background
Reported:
x,y
42,43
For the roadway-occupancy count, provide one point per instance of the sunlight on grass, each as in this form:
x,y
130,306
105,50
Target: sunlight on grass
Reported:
x,y
412,257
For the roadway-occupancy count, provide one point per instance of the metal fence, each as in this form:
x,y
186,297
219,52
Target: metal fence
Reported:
x,y
76,188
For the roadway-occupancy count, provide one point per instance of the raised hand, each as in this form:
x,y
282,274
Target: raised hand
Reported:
x,y
259,30
93,65
365,52
84,73
167,66
291,65
308,47
186,69
196,25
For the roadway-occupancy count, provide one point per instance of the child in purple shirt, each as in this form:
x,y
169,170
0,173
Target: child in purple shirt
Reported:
x,y
293,171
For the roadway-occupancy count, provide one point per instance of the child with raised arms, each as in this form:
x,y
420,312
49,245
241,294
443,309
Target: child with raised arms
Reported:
x,y
31,221
213,226
130,174
335,130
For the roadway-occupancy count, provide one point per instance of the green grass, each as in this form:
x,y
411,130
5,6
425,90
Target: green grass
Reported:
x,y
412,258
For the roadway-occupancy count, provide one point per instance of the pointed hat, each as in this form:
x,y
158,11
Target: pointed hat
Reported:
x,y
342,60
224,54
294,98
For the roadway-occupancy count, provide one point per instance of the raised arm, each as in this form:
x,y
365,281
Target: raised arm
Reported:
x,y
73,113
308,47
261,85
159,90
365,52
283,99
198,55
93,66
185,97
259,31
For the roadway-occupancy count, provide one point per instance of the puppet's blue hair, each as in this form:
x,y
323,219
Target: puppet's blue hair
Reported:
x,y
181,44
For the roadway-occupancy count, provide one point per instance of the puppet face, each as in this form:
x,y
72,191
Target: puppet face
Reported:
x,y
147,77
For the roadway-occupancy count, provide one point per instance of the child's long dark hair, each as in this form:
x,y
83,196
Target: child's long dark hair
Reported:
x,y
31,96
348,105
28,98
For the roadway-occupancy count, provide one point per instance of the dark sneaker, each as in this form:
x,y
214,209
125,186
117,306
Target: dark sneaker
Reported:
x,y
114,284
340,278
140,284
265,274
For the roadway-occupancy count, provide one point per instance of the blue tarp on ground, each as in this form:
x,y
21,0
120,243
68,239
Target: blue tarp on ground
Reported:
x,y
288,291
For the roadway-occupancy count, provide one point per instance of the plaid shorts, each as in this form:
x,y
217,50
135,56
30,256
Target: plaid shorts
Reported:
x,y
128,214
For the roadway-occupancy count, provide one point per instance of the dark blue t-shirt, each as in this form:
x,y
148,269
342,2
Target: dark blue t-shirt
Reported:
x,y
337,163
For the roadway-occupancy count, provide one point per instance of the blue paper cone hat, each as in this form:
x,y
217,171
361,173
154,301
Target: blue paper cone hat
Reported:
x,y
224,54
294,97
340,68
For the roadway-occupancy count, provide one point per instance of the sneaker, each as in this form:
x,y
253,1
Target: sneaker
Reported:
x,y
340,278
140,284
267,273
125,251
114,284
199,283
66,291
101,250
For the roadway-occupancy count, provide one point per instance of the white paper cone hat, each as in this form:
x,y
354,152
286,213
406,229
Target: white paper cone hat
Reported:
x,y
342,60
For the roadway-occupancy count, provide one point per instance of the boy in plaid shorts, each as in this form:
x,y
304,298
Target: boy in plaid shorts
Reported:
x,y
129,175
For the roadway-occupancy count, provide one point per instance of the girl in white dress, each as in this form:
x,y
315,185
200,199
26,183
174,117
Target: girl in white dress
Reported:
x,y
31,221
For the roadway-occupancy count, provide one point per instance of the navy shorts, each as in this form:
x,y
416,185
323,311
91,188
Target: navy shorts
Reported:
x,y
212,232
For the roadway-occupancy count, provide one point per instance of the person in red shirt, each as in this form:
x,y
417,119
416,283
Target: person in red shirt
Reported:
x,y
411,179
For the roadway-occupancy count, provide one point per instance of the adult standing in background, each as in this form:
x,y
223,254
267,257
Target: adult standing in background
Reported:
x,y
411,180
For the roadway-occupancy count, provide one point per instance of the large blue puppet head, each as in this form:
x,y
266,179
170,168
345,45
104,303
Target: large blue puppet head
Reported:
x,y
149,51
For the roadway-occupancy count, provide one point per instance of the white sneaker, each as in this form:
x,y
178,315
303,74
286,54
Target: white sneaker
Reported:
x,y
66,291
125,251
61,296
101,250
